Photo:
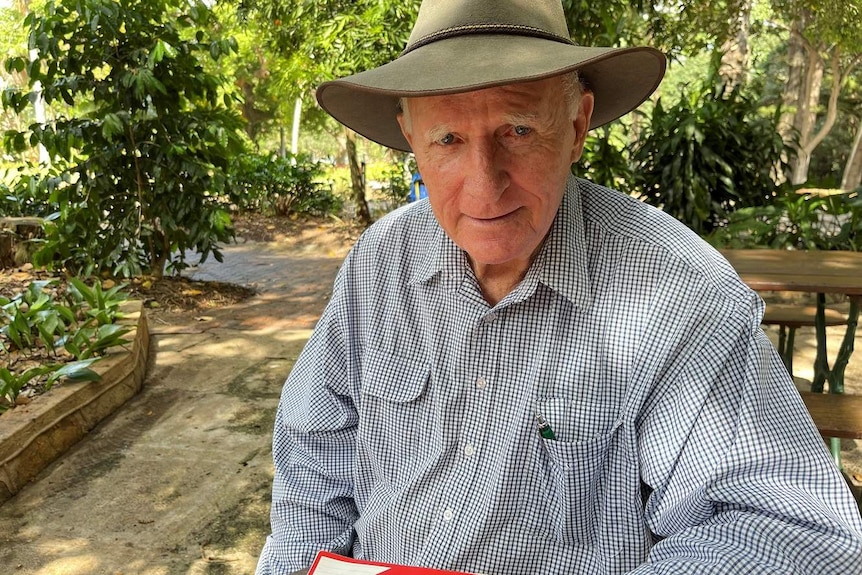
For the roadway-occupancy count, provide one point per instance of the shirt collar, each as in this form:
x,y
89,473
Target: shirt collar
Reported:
x,y
561,264
442,255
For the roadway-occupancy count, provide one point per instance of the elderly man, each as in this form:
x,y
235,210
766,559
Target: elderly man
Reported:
x,y
562,379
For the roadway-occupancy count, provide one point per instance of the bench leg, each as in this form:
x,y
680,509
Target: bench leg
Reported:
x,y
786,338
835,448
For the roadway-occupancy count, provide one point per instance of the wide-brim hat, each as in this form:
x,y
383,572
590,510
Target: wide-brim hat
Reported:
x,y
465,45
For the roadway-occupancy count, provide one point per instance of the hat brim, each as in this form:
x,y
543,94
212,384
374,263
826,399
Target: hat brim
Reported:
x,y
367,102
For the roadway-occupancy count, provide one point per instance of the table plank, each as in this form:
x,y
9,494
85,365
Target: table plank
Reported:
x,y
819,271
835,415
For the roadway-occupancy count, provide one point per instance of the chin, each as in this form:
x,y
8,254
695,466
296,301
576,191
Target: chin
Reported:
x,y
493,254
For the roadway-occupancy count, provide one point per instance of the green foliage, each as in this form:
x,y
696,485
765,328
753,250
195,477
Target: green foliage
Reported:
x,y
605,161
139,162
281,186
11,383
394,180
333,38
22,194
708,155
319,41
83,323
797,221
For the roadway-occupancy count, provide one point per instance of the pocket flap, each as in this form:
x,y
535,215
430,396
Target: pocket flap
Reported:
x,y
393,378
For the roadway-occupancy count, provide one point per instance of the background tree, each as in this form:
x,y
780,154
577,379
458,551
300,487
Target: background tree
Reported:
x,y
324,40
13,37
139,156
824,43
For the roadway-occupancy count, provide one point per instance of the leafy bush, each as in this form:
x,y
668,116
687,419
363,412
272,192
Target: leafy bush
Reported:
x,y
83,324
799,221
605,161
281,186
394,179
708,155
140,147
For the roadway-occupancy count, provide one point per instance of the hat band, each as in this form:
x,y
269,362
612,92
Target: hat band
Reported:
x,y
510,29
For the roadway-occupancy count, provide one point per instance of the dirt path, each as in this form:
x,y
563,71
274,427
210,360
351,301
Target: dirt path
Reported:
x,y
177,482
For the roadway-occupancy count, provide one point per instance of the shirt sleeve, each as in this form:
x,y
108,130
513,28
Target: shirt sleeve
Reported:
x,y
750,487
313,454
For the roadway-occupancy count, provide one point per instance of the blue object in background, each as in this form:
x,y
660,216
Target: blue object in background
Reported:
x,y
417,189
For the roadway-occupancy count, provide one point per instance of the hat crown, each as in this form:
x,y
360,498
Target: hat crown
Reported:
x,y
439,19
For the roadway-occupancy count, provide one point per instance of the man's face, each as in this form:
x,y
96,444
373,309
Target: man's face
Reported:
x,y
495,163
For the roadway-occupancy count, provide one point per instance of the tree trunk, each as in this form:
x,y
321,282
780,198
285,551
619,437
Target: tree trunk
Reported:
x,y
795,73
852,178
294,132
790,98
734,61
39,112
806,115
158,257
357,180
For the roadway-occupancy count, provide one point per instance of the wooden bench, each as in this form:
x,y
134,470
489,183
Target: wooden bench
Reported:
x,y
835,414
789,318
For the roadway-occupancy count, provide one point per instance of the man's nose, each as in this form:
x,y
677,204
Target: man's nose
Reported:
x,y
487,170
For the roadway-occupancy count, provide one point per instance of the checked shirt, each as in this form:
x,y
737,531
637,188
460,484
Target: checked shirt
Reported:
x,y
407,431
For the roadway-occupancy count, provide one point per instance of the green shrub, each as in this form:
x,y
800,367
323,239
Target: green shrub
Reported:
x,y
395,183
141,135
708,155
281,186
606,161
82,323
798,221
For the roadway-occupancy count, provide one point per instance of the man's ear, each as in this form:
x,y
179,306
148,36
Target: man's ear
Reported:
x,y
405,129
581,123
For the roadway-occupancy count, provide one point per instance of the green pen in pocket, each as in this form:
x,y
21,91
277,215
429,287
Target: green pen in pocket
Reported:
x,y
545,428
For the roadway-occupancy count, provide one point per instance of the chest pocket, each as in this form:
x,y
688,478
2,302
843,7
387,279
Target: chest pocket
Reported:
x,y
399,431
577,466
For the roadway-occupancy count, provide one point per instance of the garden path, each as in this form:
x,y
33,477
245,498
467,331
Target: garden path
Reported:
x,y
177,481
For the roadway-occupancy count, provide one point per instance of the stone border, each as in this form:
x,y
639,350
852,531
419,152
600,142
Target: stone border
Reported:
x,y
32,436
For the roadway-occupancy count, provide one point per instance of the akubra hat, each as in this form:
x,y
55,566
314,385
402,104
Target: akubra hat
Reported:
x,y
465,45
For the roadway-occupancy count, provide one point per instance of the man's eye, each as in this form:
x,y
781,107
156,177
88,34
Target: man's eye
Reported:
x,y
521,130
446,140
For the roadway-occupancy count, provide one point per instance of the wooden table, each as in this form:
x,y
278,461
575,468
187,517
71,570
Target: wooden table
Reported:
x,y
819,272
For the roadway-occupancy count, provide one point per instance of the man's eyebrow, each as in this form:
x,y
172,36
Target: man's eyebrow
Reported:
x,y
436,133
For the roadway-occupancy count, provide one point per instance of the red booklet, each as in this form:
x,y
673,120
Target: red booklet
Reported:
x,y
327,563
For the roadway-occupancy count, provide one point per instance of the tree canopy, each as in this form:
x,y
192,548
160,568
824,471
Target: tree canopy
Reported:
x,y
147,101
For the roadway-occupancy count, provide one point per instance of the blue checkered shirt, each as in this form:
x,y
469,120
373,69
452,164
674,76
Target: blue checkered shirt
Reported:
x,y
407,431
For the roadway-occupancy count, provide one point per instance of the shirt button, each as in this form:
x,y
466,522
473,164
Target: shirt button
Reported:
x,y
490,318
448,514
469,450
481,383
